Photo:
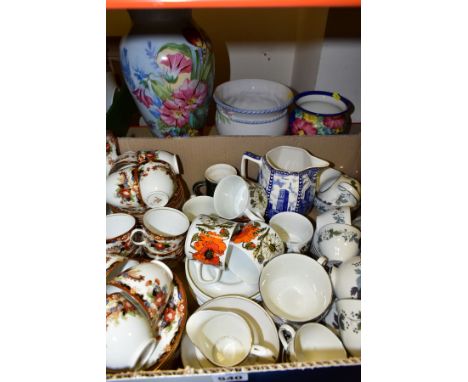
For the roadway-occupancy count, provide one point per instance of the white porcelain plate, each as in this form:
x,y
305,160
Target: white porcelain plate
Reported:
x,y
262,326
229,283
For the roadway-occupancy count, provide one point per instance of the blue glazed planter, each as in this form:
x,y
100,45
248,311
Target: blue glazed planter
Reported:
x,y
168,66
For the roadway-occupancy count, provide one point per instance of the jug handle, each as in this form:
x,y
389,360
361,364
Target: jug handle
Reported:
x,y
248,156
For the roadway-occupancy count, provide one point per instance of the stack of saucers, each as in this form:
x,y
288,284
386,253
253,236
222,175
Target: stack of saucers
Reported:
x,y
252,107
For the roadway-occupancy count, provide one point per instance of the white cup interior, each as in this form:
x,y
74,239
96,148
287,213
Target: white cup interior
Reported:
x,y
118,224
166,221
228,337
199,205
241,265
321,104
292,227
231,197
295,287
315,342
219,171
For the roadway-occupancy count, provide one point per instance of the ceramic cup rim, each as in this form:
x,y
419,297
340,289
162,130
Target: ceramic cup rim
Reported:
x,y
295,215
226,166
347,102
243,207
156,233
121,214
317,265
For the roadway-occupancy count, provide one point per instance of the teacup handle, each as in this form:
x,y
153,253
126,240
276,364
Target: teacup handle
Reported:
x,y
253,216
199,267
145,355
196,187
262,352
350,189
322,260
248,156
137,230
285,328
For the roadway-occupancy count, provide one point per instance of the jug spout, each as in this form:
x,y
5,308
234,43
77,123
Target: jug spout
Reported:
x,y
294,159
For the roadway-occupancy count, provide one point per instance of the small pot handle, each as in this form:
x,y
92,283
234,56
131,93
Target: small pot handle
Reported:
x,y
253,216
248,156
262,352
288,329
138,243
196,188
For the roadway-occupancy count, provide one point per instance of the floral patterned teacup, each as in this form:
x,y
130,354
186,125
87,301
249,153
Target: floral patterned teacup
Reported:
x,y
349,319
237,198
207,243
158,155
157,183
123,191
295,230
163,232
251,247
118,230
339,242
148,286
111,151
129,338
338,190
346,278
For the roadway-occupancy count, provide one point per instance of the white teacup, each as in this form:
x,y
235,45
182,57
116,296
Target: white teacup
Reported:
x,y
224,338
339,242
295,230
129,338
346,278
312,342
349,319
295,288
198,205
233,200
157,183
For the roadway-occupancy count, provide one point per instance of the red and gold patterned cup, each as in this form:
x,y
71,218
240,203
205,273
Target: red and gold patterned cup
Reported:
x,y
118,230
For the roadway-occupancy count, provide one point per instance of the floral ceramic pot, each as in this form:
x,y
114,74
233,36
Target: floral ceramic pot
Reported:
x,y
168,65
320,113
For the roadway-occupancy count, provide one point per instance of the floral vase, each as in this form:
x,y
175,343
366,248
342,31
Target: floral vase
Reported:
x,y
168,66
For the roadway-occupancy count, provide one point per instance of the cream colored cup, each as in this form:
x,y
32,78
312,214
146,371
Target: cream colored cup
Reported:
x,y
312,342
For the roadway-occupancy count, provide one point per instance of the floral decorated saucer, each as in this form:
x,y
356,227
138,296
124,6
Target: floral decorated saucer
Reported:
x,y
263,329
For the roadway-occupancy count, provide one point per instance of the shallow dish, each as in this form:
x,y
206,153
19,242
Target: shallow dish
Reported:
x,y
253,96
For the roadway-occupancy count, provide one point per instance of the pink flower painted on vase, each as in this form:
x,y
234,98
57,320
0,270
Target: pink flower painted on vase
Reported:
x,y
334,122
193,93
174,64
175,113
142,97
301,127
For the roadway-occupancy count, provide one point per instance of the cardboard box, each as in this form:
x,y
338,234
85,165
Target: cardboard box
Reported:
x,y
196,154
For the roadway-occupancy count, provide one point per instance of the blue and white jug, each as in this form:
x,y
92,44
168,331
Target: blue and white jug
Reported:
x,y
289,176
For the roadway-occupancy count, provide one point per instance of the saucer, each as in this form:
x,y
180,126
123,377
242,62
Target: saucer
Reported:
x,y
229,283
263,329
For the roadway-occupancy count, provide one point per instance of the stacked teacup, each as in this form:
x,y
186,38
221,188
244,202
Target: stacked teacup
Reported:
x,y
141,180
144,311
337,238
